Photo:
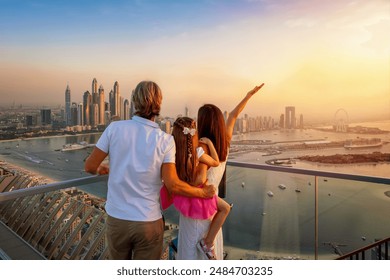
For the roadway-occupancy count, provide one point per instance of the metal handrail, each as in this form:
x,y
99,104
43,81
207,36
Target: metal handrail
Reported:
x,y
361,251
328,174
99,178
52,187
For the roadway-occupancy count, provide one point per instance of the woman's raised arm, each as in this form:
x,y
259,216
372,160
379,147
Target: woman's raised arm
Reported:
x,y
237,110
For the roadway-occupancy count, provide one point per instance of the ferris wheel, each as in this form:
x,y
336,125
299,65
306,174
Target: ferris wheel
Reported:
x,y
341,120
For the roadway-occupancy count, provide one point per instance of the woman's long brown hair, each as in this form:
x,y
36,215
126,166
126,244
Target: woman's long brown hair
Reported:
x,y
211,124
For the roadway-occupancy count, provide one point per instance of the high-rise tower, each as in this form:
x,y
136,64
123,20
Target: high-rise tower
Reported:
x,y
95,96
87,100
45,117
112,103
101,105
94,113
67,106
290,117
187,112
80,114
301,121
126,109
132,109
73,110
117,99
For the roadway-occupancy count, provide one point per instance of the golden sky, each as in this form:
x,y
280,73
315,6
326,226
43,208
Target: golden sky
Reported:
x,y
314,55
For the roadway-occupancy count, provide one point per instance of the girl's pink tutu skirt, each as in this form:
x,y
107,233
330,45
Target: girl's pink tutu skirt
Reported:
x,y
191,207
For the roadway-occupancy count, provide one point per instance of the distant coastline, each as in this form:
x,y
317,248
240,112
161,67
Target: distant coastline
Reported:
x,y
357,129
375,157
48,136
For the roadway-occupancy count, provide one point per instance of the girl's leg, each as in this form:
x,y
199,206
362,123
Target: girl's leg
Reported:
x,y
217,222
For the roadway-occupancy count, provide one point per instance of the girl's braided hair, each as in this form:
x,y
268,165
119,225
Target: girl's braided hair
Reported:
x,y
186,157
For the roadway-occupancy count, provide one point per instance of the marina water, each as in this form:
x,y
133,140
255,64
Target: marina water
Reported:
x,y
351,214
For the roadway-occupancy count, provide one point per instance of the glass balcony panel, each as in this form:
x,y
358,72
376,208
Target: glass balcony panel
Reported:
x,y
273,215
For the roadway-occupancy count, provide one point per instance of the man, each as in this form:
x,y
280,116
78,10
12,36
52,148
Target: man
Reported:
x,y
141,156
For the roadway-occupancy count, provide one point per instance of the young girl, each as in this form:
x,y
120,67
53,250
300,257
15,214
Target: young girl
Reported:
x,y
188,157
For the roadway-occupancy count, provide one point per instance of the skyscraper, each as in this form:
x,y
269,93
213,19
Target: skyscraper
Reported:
x,y
301,121
74,116
117,99
225,115
126,110
67,106
94,106
112,103
281,121
121,108
101,105
187,112
290,117
132,109
46,116
87,100
80,114
94,114
95,96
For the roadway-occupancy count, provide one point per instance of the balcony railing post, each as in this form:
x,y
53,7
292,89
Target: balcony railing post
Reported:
x,y
316,218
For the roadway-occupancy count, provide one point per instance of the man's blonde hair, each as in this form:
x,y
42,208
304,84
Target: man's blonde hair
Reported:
x,y
147,98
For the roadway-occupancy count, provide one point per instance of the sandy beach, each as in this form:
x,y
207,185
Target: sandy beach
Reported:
x,y
18,170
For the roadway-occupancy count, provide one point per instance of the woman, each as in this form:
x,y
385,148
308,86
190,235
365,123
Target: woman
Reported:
x,y
189,156
211,125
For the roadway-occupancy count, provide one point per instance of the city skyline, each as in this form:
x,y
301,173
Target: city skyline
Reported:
x,y
309,54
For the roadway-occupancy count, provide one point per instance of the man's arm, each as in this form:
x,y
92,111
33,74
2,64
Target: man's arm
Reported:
x,y
177,186
93,163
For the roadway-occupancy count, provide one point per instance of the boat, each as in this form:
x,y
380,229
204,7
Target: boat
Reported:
x,y
361,143
76,146
297,190
270,194
282,186
272,153
72,147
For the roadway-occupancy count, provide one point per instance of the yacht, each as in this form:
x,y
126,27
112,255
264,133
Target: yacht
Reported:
x,y
363,143
72,147
76,146
270,194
